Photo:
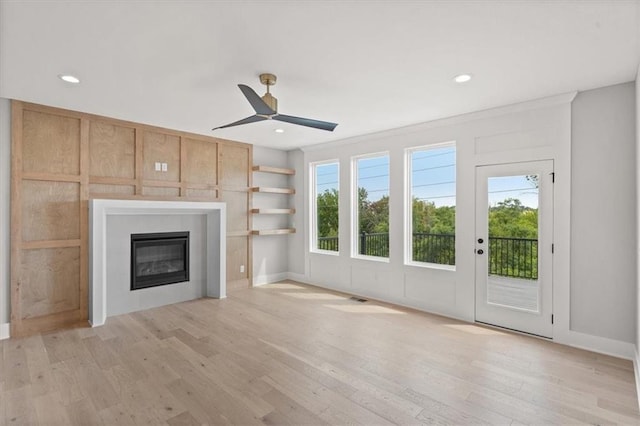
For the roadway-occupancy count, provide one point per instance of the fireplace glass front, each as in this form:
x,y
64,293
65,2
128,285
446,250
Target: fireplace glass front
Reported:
x,y
159,259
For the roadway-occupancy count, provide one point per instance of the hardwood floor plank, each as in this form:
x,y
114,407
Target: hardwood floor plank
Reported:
x,y
19,406
17,373
292,354
287,411
50,410
82,412
183,419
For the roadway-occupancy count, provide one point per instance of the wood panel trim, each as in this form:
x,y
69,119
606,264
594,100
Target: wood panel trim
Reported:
x,y
16,216
32,245
112,181
57,321
110,196
191,185
85,166
51,177
139,161
238,233
234,188
250,220
183,165
162,183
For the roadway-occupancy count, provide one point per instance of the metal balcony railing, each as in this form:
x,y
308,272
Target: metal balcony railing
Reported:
x,y
507,257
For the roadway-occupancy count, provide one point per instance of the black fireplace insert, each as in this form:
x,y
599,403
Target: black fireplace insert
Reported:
x,y
159,259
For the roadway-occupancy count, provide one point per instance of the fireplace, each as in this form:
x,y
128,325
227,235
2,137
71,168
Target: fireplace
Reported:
x,y
159,259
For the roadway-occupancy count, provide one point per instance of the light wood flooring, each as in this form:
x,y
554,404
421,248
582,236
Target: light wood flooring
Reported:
x,y
297,355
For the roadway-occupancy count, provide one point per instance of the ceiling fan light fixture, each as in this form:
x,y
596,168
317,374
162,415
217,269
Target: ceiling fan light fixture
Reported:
x,y
462,78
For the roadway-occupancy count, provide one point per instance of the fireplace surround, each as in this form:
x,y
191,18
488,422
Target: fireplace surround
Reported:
x,y
213,216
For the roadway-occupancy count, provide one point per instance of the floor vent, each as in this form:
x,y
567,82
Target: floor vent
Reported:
x,y
357,299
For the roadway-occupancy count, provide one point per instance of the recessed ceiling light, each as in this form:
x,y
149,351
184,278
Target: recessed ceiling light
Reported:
x,y
279,130
69,78
462,78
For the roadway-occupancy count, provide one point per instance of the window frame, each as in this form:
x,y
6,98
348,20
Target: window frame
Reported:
x,y
313,220
355,207
408,204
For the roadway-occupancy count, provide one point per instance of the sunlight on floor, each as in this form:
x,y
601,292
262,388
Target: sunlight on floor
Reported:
x,y
474,329
364,309
315,296
286,286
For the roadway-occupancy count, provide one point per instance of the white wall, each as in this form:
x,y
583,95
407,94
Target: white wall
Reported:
x,y
637,365
296,254
5,186
270,261
532,131
603,213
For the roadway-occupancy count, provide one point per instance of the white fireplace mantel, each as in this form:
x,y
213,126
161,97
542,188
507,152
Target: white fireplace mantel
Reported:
x,y
99,209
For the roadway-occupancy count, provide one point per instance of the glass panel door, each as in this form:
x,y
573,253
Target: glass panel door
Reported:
x,y
514,217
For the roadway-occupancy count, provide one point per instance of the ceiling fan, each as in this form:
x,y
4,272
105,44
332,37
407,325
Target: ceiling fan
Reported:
x,y
266,108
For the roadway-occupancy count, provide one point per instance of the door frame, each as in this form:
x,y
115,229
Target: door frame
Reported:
x,y
539,323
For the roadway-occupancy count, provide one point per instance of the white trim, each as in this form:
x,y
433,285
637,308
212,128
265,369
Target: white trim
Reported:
x,y
100,209
313,208
408,202
636,369
5,331
564,98
599,344
302,278
355,211
270,278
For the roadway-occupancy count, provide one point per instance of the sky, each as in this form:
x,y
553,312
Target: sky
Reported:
x,y
432,178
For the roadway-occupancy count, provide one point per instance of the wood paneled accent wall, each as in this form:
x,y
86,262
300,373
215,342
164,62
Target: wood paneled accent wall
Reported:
x,y
61,159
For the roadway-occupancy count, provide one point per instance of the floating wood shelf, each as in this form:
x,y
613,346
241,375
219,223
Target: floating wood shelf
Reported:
x,y
278,170
274,190
274,231
273,211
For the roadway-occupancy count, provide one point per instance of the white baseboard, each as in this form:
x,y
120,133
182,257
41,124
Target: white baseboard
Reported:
x,y
5,331
268,279
636,369
599,344
301,278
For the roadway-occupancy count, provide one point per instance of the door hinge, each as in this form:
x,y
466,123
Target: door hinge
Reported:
x,y
553,177
553,248
551,318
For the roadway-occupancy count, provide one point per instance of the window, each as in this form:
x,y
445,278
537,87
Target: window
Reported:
x,y
326,183
432,182
372,211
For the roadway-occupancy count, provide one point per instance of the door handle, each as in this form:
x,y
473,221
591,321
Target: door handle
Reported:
x,y
480,251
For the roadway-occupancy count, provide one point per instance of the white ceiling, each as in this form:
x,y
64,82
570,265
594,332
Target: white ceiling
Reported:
x,y
367,65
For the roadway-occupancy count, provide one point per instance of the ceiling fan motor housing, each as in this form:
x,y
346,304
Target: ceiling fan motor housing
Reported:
x,y
271,101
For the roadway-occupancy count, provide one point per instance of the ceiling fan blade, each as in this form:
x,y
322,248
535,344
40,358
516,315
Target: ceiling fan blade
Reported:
x,y
256,101
316,124
247,120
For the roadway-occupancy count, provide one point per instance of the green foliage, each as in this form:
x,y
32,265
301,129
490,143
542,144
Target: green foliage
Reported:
x,y
434,232
509,218
427,218
327,205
